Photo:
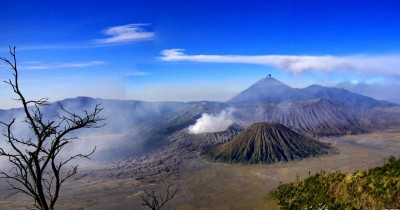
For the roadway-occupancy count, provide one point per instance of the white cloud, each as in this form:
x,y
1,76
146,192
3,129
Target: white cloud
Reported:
x,y
213,122
385,64
126,33
43,66
115,34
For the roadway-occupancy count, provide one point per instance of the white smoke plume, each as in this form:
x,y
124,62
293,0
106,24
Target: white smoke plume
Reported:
x,y
213,122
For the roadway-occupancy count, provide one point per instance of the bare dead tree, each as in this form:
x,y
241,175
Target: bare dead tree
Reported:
x,y
155,201
37,170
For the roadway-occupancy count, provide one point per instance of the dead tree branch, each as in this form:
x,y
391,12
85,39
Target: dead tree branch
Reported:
x,y
36,168
154,200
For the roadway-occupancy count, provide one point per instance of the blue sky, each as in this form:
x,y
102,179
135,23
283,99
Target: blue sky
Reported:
x,y
198,50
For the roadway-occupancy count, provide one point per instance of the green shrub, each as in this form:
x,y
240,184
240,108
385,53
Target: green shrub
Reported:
x,y
377,188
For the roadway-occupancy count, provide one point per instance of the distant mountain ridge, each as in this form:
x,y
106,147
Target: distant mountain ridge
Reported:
x,y
270,90
313,111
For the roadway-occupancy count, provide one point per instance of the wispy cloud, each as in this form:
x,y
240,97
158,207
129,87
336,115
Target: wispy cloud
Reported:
x,y
55,47
44,66
2,67
40,79
385,64
125,33
137,73
116,34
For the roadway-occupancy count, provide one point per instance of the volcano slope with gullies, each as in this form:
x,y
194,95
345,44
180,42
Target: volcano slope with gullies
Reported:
x,y
313,111
267,143
144,142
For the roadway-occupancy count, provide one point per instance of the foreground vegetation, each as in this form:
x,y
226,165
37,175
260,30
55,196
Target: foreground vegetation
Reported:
x,y
377,188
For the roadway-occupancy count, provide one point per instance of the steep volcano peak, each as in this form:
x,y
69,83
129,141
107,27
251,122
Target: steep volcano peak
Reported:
x,y
267,89
267,143
269,81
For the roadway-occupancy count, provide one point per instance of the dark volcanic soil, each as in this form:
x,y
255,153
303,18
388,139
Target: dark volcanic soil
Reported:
x,y
267,143
205,185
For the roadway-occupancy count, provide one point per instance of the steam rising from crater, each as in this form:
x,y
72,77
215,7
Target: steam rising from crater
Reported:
x,y
213,122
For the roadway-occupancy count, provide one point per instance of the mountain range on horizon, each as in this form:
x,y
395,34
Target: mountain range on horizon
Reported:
x,y
313,111
271,90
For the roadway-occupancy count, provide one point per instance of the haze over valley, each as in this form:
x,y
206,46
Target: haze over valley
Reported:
x,y
200,105
146,142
